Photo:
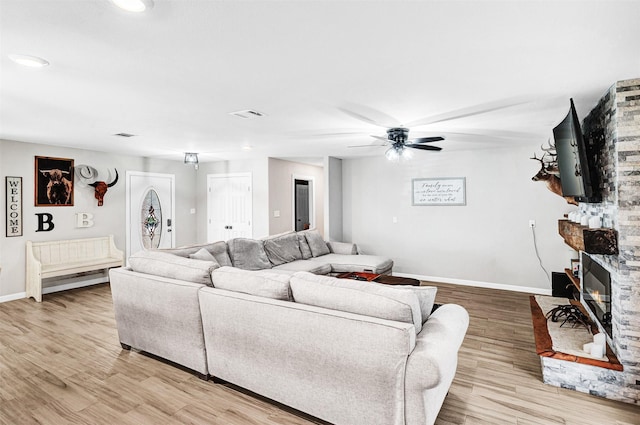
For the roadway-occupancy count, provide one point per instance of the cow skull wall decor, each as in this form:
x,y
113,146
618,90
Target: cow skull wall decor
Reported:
x,y
88,173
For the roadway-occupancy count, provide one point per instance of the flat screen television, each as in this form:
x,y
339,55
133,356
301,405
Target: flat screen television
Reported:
x,y
573,161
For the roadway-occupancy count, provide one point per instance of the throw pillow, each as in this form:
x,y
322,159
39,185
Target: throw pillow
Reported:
x,y
283,249
426,297
172,266
263,283
358,297
317,245
219,251
304,246
202,254
248,254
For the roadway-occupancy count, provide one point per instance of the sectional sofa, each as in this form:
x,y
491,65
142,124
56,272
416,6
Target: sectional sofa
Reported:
x,y
345,351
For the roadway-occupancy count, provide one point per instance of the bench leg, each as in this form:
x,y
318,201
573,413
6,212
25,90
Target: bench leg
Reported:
x,y
125,346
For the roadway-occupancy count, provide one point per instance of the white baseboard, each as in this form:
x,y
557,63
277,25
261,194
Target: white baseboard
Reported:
x,y
479,284
57,288
12,297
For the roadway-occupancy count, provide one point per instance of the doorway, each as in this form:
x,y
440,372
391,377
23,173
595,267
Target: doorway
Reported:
x,y
150,206
303,216
229,206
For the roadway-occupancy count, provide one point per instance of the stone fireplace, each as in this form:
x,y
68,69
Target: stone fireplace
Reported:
x,y
618,158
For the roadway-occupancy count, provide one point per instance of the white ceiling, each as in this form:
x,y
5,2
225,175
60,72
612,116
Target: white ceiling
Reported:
x,y
171,75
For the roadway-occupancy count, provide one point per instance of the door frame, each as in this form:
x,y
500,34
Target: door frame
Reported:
x,y
312,196
209,195
128,227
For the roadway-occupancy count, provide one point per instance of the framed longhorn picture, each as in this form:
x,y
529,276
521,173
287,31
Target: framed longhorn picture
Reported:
x,y
53,182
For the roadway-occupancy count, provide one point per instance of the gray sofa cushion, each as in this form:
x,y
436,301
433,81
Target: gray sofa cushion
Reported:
x,y
304,246
341,263
161,263
283,249
248,254
314,267
317,245
263,283
370,299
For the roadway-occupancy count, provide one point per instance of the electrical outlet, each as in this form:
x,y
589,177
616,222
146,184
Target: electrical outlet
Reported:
x,y
532,223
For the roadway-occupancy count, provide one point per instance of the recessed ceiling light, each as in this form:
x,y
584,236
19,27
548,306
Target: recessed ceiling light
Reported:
x,y
133,5
247,148
30,61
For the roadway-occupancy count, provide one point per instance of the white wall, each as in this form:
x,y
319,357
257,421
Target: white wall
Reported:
x,y
281,193
333,199
260,184
17,159
488,241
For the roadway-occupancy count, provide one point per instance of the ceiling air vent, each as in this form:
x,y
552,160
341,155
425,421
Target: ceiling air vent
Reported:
x,y
249,113
124,134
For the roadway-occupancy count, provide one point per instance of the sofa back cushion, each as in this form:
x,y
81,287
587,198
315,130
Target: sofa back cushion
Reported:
x,y
358,297
161,263
283,249
217,249
248,254
263,283
317,245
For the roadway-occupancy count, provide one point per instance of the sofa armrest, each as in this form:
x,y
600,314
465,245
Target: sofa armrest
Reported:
x,y
344,248
432,365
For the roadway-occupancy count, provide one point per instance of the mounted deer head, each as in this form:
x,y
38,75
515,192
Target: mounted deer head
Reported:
x,y
549,172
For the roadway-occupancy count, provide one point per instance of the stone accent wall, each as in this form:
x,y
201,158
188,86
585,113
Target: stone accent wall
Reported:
x,y
616,119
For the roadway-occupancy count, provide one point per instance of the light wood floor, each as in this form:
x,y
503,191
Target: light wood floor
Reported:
x,y
61,363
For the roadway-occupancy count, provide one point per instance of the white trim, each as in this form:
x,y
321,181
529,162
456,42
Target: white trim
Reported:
x,y
312,200
13,297
478,284
57,288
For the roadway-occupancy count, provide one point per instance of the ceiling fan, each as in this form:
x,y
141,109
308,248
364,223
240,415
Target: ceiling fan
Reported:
x,y
397,138
398,135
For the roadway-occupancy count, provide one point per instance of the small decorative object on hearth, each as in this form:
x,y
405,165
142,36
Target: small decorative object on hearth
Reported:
x,y
571,314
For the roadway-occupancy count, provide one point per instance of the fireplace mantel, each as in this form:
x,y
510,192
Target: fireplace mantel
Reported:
x,y
592,241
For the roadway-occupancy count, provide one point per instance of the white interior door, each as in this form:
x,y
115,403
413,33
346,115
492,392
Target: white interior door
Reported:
x,y
229,206
150,211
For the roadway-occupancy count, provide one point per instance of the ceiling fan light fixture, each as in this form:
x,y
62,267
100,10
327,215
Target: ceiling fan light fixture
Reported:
x,y
135,6
392,154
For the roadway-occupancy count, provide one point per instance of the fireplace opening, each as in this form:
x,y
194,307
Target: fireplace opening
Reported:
x,y
596,291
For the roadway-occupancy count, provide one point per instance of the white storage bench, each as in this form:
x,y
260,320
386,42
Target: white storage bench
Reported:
x,y
67,257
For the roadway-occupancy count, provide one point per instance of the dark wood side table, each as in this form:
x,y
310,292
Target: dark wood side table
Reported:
x,y
379,278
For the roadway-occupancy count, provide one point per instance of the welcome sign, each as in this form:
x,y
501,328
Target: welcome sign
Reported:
x,y
14,206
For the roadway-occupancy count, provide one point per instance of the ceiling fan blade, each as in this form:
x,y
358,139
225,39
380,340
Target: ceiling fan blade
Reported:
x,y
369,115
366,146
385,139
469,111
427,139
424,147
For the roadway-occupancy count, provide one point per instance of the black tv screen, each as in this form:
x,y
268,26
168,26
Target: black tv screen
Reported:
x,y
573,164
